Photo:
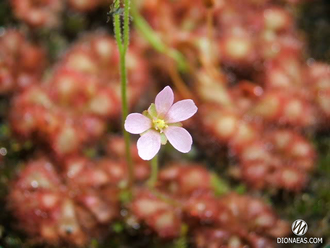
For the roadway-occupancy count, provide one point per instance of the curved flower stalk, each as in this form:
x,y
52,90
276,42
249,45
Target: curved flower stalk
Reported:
x,y
162,123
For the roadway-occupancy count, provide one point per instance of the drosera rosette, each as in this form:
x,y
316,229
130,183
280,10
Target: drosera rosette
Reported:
x,y
162,123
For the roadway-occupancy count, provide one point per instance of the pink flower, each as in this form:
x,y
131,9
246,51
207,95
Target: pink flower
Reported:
x,y
161,122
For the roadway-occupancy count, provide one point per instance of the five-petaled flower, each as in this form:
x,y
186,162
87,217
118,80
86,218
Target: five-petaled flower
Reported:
x,y
161,122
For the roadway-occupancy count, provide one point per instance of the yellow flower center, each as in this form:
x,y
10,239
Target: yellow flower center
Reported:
x,y
159,124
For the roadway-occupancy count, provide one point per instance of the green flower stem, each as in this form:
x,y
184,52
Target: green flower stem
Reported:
x,y
123,42
117,29
124,115
126,24
155,41
154,172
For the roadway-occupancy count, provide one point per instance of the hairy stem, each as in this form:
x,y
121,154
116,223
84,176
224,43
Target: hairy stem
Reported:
x,y
126,23
117,28
154,172
123,42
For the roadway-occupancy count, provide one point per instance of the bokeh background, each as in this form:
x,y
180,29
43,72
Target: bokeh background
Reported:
x,y
258,71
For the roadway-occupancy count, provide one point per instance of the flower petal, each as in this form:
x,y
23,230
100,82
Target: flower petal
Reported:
x,y
149,144
181,110
179,137
137,123
164,101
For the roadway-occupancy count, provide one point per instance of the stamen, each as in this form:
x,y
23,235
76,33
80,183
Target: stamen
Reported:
x,y
159,124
